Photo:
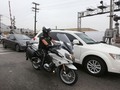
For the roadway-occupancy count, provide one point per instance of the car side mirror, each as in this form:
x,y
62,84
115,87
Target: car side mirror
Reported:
x,y
75,41
13,39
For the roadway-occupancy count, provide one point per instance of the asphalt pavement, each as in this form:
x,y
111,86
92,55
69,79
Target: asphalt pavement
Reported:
x,y
18,74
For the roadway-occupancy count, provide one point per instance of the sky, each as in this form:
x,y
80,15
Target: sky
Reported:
x,y
52,13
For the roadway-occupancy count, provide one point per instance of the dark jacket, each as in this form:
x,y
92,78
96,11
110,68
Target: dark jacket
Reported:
x,y
41,44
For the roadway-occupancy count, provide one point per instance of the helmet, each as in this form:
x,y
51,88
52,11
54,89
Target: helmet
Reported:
x,y
46,31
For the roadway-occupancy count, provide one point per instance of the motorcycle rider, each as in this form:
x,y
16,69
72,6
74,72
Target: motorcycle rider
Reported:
x,y
44,43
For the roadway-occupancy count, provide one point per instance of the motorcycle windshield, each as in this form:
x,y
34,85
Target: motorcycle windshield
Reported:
x,y
66,42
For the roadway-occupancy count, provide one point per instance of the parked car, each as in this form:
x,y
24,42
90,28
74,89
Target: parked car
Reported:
x,y
1,38
16,41
96,58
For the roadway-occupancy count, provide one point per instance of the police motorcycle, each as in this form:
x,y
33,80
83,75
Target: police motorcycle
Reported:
x,y
60,54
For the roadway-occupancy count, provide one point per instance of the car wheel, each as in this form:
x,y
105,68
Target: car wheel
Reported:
x,y
17,48
4,45
95,66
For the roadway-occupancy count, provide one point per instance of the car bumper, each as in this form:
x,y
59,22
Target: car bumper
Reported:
x,y
115,67
23,48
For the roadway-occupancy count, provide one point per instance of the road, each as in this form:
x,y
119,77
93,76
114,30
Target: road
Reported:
x,y
18,74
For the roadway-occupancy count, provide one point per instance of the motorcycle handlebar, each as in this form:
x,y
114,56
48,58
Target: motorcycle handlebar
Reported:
x,y
54,46
30,43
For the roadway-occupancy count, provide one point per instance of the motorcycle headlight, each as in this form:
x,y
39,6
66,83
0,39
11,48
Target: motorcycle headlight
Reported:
x,y
60,55
70,57
115,56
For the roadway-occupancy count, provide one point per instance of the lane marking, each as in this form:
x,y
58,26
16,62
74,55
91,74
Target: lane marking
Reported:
x,y
5,52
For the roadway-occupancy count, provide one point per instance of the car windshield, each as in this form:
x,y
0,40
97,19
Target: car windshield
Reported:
x,y
22,37
85,38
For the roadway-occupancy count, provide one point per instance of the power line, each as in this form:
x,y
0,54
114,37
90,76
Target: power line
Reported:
x,y
59,4
52,4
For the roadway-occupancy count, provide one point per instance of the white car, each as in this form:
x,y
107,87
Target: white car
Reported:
x,y
96,58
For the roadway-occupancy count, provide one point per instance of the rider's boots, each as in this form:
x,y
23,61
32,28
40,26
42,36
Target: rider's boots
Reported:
x,y
52,66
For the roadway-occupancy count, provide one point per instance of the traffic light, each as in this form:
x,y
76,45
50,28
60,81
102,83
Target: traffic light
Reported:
x,y
12,27
116,18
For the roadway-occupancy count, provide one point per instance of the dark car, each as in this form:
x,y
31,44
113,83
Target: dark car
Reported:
x,y
0,38
16,41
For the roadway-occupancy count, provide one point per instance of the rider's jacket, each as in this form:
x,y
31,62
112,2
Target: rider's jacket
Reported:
x,y
41,44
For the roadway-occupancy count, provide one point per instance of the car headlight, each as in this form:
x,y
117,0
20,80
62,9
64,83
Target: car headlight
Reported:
x,y
115,56
23,44
69,56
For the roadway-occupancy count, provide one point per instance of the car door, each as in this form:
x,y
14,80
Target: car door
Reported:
x,y
7,41
12,41
76,48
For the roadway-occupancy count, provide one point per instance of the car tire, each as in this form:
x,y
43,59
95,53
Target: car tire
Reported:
x,y
17,48
95,66
4,45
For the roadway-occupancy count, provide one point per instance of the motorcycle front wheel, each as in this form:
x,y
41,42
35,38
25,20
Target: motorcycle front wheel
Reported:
x,y
36,64
69,77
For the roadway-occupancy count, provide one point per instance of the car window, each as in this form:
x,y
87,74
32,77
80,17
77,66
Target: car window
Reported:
x,y
11,37
54,35
71,37
21,37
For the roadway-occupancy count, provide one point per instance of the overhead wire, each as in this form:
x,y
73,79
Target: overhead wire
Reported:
x,y
56,5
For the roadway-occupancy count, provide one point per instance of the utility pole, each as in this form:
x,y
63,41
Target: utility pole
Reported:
x,y
79,21
12,21
35,9
111,19
111,14
10,14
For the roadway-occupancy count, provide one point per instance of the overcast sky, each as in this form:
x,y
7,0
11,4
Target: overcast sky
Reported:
x,y
52,13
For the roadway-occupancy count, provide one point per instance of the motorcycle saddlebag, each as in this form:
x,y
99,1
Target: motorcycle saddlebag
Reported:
x,y
30,53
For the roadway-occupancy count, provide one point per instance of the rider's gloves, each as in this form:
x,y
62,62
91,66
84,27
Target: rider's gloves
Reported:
x,y
49,46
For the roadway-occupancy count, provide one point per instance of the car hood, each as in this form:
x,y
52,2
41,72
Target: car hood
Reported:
x,y
23,41
104,48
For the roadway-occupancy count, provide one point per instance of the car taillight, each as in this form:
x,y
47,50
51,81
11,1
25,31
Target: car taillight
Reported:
x,y
34,38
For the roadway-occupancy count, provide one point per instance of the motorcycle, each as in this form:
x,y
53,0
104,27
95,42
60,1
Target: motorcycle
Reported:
x,y
61,56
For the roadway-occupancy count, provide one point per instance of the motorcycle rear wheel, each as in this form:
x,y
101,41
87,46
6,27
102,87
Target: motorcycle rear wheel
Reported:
x,y
69,77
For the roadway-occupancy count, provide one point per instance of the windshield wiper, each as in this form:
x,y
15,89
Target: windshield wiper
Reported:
x,y
91,42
